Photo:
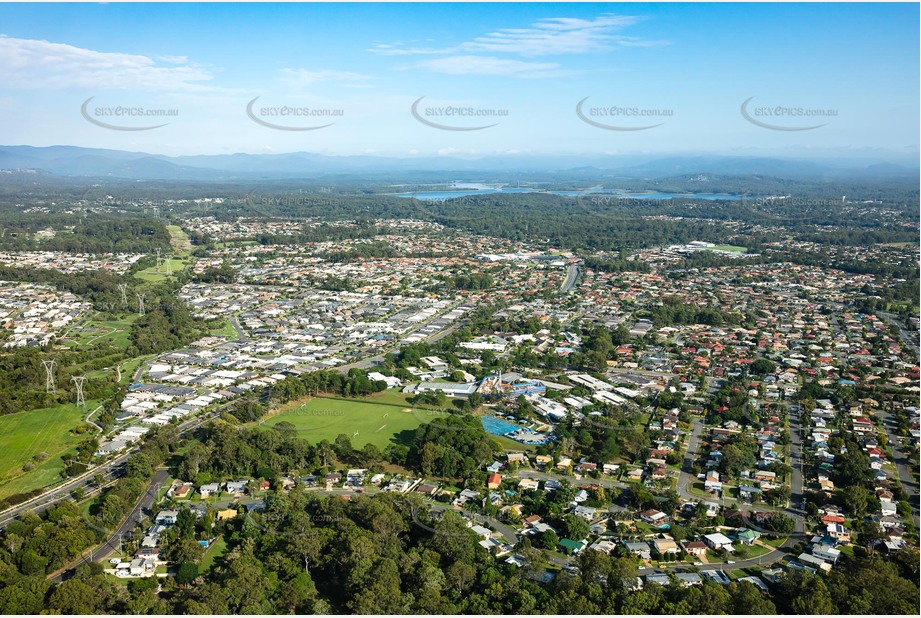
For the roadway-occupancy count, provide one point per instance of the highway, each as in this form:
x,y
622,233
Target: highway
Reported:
x,y
572,274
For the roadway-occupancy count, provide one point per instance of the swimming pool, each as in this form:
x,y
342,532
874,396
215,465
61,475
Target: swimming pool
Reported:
x,y
497,426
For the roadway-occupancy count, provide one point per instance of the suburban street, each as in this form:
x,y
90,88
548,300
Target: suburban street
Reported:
x,y
904,466
113,543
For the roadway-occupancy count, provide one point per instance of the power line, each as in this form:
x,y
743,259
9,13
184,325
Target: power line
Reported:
x,y
79,381
49,376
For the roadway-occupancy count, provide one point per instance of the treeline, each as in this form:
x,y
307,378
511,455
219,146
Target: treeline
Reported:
x,y
377,249
22,376
616,432
320,233
166,324
615,264
224,273
354,383
469,281
454,447
675,312
307,554
75,234
99,287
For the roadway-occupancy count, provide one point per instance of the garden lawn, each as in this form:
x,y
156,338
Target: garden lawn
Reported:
x,y
217,549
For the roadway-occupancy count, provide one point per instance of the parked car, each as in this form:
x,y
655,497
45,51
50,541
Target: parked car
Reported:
x,y
115,560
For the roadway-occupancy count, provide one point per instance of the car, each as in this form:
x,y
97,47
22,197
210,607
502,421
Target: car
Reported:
x,y
123,573
698,564
730,562
115,560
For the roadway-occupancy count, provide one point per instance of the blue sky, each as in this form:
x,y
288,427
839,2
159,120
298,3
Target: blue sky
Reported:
x,y
691,66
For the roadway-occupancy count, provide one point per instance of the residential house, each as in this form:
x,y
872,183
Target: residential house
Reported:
x,y
665,545
654,517
748,537
209,490
639,549
166,518
696,548
718,541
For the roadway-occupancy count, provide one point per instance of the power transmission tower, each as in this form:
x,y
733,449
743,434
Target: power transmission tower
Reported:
x,y
140,304
169,266
158,259
49,376
79,381
123,288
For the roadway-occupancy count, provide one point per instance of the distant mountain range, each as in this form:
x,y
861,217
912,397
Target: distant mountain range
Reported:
x,y
73,161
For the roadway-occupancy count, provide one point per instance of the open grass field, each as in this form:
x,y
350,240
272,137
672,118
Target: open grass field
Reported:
x,y
26,434
179,259
179,239
374,420
225,330
94,331
177,263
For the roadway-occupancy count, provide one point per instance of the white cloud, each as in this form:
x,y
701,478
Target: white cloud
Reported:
x,y
551,36
31,63
559,35
489,65
305,77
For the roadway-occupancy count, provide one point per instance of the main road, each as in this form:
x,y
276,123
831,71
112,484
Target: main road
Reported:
x,y
572,274
67,489
910,338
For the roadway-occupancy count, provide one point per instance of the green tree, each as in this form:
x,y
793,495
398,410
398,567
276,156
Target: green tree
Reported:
x,y
186,573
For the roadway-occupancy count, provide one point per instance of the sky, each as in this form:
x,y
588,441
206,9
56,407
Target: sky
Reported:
x,y
486,79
